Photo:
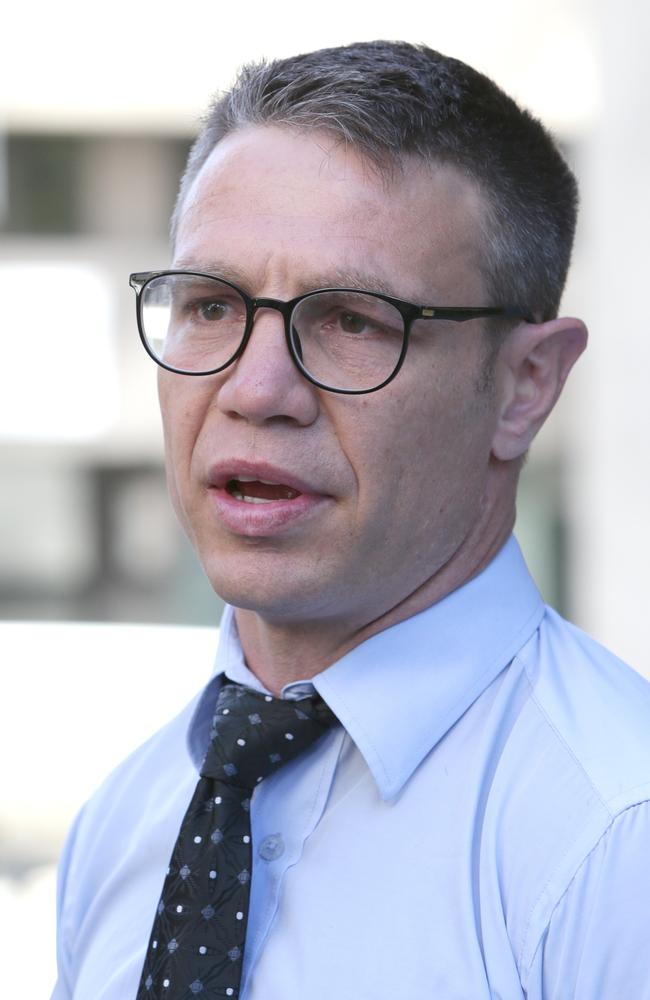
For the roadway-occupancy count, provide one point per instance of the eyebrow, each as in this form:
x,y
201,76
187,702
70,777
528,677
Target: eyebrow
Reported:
x,y
339,277
219,269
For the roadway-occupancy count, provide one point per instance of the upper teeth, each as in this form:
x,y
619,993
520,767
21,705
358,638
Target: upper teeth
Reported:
x,y
254,479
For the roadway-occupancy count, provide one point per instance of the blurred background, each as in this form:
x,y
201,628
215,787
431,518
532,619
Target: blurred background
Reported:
x,y
98,107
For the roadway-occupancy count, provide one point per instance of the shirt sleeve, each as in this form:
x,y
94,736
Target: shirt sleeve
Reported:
x,y
597,942
63,988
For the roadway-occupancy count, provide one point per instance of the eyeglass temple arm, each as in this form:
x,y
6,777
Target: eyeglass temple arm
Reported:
x,y
460,314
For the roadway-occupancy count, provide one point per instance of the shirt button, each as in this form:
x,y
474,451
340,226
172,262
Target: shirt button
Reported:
x,y
272,847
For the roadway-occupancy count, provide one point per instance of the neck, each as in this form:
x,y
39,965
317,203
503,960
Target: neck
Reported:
x,y
278,653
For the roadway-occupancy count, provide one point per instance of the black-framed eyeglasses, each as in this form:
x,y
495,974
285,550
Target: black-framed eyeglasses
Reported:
x,y
343,340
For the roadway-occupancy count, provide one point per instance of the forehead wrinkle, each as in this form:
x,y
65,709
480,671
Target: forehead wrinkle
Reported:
x,y
337,277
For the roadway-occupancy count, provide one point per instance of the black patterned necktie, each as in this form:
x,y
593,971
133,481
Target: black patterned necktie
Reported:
x,y
196,946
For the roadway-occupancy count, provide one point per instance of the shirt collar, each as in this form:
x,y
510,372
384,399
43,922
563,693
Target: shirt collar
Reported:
x,y
231,665
400,691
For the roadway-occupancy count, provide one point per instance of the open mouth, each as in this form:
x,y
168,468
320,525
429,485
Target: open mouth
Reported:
x,y
259,491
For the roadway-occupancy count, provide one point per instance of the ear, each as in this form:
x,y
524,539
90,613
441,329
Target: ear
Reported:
x,y
532,368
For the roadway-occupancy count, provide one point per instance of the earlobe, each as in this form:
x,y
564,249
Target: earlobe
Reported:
x,y
533,366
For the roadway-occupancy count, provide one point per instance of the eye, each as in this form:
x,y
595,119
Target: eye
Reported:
x,y
352,322
211,310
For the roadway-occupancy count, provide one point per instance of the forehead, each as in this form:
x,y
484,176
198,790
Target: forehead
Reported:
x,y
277,206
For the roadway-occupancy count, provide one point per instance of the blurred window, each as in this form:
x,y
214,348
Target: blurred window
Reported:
x,y
42,182
105,184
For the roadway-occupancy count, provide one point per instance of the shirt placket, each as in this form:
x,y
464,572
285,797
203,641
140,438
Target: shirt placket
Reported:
x,y
281,823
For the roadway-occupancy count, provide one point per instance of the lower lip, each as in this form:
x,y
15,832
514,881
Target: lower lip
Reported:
x,y
258,520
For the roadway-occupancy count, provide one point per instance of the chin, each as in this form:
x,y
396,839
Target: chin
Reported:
x,y
271,587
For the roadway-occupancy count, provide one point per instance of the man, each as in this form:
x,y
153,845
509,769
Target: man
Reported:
x,y
358,340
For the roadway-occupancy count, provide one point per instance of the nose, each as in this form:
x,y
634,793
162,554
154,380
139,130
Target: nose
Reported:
x,y
264,383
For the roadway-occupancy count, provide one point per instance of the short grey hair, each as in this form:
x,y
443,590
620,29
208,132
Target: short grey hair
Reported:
x,y
392,100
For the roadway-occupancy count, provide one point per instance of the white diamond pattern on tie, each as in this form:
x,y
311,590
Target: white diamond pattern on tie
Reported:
x,y
197,942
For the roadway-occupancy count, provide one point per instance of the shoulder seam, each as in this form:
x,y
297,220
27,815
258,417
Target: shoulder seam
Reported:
x,y
559,736
611,816
567,888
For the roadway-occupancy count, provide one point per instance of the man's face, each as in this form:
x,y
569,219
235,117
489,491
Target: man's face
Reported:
x,y
389,484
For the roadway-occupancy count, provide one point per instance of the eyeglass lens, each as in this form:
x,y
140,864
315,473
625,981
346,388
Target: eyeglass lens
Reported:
x,y
345,340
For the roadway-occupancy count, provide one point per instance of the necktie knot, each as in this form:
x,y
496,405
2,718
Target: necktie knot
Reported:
x,y
255,734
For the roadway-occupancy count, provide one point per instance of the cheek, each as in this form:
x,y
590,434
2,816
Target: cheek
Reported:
x,y
426,455
387,443
182,421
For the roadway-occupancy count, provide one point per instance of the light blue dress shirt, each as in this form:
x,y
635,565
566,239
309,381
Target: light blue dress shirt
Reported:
x,y
479,827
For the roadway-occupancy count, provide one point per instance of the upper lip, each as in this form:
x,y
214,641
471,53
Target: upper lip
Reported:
x,y
221,473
